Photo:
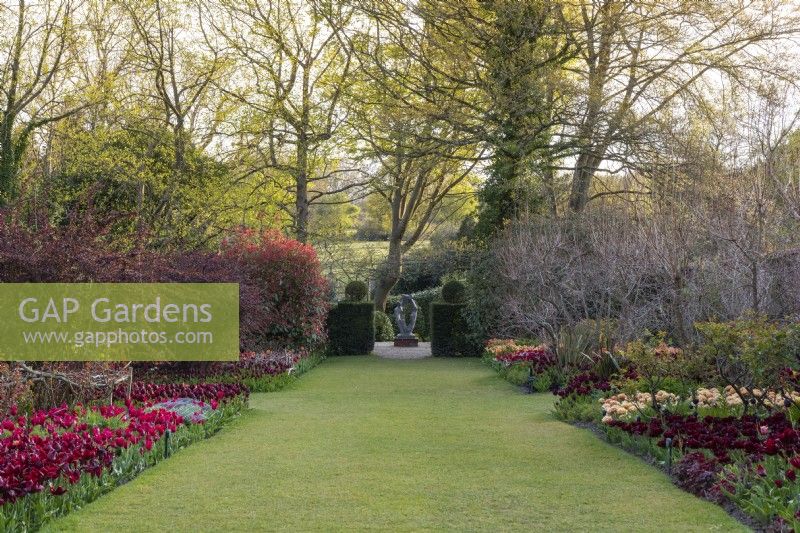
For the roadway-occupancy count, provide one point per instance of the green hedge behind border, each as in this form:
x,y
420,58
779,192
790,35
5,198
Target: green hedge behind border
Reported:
x,y
351,328
449,331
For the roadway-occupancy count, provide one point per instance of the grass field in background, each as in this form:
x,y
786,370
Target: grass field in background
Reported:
x,y
353,260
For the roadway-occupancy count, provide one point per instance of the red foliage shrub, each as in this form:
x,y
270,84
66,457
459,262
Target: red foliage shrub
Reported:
x,y
282,292
287,279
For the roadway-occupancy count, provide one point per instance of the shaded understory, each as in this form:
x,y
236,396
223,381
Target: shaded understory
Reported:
x,y
368,443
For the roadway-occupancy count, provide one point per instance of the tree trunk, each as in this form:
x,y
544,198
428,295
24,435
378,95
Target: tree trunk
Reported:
x,y
8,165
754,287
585,168
301,177
180,149
390,274
301,198
550,191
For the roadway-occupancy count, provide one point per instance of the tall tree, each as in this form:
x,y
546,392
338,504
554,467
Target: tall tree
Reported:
x,y
294,73
524,51
179,68
416,156
637,59
37,82
503,62
177,72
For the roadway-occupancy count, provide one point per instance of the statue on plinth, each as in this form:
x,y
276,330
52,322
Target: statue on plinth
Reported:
x,y
405,330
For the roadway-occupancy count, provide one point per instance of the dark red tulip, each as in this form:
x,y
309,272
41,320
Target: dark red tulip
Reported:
x,y
58,444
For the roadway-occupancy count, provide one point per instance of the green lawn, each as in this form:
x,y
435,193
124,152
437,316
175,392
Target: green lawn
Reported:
x,y
432,444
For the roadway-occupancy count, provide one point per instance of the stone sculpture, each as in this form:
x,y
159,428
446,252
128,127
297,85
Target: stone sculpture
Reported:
x,y
405,329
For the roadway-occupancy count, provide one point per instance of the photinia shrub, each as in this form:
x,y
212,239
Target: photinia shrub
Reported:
x,y
285,277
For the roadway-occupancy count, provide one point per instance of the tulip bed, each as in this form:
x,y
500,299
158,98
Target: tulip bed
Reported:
x,y
57,460
259,371
522,364
738,446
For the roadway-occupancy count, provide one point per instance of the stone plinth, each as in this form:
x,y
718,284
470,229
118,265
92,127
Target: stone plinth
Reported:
x,y
409,341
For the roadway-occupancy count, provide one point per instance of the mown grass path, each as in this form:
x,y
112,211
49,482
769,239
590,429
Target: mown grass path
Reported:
x,y
367,443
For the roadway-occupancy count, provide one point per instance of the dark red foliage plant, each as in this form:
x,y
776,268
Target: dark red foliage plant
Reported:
x,y
771,435
52,449
250,365
699,475
584,384
540,359
148,393
286,279
283,295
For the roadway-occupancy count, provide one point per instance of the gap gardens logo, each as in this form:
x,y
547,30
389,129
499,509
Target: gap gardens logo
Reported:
x,y
119,321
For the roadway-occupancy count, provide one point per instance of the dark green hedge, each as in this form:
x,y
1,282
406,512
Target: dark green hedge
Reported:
x,y
449,331
351,328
